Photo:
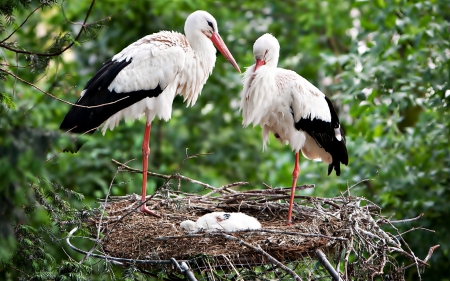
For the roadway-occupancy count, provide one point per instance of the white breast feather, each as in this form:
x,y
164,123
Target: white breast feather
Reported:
x,y
163,58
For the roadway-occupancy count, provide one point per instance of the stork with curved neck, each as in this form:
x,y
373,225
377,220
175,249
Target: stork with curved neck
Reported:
x,y
144,78
295,111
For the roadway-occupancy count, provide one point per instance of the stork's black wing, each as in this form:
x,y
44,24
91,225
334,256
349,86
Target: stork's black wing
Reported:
x,y
85,120
325,137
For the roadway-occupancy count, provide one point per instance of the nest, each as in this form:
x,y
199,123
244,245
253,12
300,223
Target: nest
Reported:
x,y
345,230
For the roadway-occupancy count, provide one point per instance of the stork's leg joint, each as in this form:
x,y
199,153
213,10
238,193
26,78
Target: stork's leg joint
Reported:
x,y
295,172
145,150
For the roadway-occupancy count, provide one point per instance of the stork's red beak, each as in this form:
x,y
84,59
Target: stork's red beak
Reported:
x,y
259,63
218,42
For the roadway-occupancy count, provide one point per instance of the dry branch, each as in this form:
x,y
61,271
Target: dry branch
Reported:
x,y
265,254
343,225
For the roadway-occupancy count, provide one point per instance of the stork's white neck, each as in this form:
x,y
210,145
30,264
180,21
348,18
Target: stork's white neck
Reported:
x,y
201,44
198,66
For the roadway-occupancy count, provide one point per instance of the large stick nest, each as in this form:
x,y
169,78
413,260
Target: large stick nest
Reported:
x,y
345,227
143,236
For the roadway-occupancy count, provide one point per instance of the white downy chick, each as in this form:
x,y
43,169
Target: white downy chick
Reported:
x,y
189,226
222,220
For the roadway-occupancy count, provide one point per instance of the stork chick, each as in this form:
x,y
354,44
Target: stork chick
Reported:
x,y
223,221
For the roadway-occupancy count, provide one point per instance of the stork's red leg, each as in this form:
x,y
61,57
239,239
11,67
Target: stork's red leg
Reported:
x,y
145,154
294,184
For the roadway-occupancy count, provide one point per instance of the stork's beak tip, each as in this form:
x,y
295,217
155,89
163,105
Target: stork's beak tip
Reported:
x,y
218,42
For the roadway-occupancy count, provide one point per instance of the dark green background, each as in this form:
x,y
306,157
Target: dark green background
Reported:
x,y
384,64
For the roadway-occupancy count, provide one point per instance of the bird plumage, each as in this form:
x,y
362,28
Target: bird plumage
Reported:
x,y
294,110
149,73
221,221
144,78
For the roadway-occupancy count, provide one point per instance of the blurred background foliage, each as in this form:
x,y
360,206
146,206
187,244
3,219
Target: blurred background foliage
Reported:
x,y
385,65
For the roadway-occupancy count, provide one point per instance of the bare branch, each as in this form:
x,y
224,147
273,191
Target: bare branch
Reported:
x,y
407,220
181,177
253,231
264,253
54,97
121,260
20,26
430,252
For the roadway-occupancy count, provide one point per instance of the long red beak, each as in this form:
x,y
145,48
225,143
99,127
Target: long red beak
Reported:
x,y
218,42
259,63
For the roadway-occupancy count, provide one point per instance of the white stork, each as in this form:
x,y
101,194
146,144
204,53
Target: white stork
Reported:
x,y
222,221
294,110
144,78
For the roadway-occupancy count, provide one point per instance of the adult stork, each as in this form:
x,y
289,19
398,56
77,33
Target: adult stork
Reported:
x,y
294,110
144,78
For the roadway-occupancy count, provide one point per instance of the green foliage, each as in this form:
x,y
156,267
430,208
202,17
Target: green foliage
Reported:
x,y
7,101
32,257
385,64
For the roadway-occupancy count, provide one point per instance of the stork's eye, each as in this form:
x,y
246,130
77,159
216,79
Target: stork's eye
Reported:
x,y
211,25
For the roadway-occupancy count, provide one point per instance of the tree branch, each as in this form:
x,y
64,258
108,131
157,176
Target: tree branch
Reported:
x,y
213,233
83,26
179,176
20,26
264,253
55,97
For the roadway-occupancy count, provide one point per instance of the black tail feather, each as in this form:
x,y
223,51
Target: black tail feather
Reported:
x,y
339,154
83,120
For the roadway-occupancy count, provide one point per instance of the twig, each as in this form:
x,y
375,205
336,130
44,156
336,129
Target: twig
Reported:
x,y
105,257
225,187
98,240
408,255
21,271
407,220
55,97
264,253
20,26
328,202
252,231
124,166
174,175
430,252
416,228
361,181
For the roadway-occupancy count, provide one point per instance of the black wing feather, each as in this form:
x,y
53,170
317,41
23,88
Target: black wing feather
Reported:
x,y
85,120
323,133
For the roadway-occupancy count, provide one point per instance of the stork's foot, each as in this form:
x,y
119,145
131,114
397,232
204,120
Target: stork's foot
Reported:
x,y
144,209
289,223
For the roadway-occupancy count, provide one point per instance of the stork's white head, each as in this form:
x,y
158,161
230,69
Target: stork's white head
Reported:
x,y
200,21
189,226
266,51
200,24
